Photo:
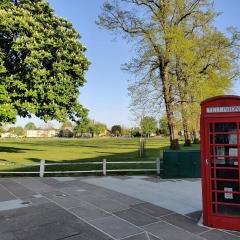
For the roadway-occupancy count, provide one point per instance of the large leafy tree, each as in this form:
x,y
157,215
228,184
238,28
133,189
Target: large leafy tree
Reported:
x,y
42,63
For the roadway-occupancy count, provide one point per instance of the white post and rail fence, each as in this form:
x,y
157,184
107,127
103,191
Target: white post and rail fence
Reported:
x,y
104,169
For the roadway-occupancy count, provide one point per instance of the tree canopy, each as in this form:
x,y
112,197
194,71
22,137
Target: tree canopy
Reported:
x,y
116,130
180,58
42,63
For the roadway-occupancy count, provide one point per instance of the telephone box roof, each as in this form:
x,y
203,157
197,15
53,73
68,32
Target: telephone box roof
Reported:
x,y
219,98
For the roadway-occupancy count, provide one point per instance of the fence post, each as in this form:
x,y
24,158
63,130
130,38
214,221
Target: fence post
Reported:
x,y
104,167
158,163
42,168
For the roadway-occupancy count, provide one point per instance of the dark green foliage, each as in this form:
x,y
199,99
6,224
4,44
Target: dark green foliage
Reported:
x,y
90,127
42,63
116,130
66,133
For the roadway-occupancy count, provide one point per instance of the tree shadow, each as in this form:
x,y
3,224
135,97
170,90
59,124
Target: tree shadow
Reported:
x,y
151,154
16,150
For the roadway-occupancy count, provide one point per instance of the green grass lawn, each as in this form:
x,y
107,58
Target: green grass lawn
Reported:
x,y
76,150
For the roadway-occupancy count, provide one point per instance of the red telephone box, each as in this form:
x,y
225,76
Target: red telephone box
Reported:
x,y
220,160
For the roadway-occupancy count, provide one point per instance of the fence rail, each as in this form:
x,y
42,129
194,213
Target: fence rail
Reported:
x,y
42,167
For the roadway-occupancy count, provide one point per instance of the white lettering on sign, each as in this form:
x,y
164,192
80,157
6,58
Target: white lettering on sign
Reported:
x,y
223,109
228,193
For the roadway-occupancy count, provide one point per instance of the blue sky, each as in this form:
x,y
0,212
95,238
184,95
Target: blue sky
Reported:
x,y
105,93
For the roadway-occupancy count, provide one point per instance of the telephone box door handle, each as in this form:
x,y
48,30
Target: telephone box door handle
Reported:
x,y
207,162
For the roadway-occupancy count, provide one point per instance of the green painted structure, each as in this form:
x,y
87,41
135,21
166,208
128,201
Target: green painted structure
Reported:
x,y
181,164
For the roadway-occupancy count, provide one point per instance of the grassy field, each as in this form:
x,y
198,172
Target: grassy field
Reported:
x,y
75,150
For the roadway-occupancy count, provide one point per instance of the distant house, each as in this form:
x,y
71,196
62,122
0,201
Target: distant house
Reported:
x,y
8,135
41,133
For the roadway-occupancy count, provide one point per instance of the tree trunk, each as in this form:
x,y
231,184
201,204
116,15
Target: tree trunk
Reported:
x,y
182,91
195,137
169,104
187,138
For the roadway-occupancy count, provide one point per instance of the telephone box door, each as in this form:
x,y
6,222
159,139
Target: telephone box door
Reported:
x,y
222,168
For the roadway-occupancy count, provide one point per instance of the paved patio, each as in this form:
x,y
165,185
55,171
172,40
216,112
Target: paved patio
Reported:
x,y
101,208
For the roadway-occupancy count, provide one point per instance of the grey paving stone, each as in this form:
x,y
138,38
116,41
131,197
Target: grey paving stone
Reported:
x,y
17,189
219,235
184,223
90,233
64,179
122,177
142,236
50,231
107,204
11,204
33,217
86,195
35,201
35,185
237,233
86,186
5,195
151,209
65,201
195,215
122,198
89,212
7,236
136,217
166,231
154,179
116,227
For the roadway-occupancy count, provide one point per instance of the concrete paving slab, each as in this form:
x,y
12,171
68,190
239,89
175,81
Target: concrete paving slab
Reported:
x,y
35,185
196,215
90,233
184,222
16,189
142,236
219,235
116,227
63,200
50,231
64,179
152,210
82,204
237,233
7,236
12,204
166,231
5,195
136,217
108,204
167,194
33,217
89,212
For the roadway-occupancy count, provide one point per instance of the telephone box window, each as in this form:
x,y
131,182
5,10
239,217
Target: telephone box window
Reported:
x,y
226,127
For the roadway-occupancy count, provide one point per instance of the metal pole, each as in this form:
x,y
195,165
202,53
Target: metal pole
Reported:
x,y
42,168
158,163
104,167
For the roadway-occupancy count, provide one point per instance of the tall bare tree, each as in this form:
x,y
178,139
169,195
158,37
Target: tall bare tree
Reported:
x,y
159,31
